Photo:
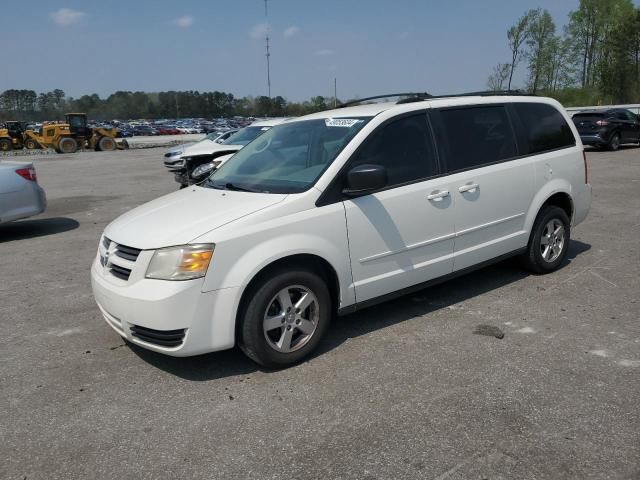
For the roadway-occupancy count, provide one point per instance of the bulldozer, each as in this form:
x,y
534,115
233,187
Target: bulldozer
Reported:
x,y
68,137
12,136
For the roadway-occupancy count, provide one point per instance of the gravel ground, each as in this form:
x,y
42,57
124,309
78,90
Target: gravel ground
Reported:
x,y
403,390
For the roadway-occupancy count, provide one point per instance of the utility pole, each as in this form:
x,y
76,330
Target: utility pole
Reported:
x,y
268,55
335,92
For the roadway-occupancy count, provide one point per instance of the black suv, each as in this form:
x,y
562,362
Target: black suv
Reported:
x,y
608,128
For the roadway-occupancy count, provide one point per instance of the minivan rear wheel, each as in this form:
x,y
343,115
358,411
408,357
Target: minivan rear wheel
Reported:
x,y
549,242
285,317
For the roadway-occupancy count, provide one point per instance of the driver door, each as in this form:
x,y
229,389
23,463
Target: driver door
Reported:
x,y
403,235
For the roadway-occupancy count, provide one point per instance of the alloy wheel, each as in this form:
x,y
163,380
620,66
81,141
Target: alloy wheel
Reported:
x,y
291,319
552,240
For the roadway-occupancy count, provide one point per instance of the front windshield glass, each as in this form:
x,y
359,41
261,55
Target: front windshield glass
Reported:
x,y
288,158
245,135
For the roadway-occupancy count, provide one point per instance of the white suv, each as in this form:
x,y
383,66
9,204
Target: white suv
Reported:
x,y
339,210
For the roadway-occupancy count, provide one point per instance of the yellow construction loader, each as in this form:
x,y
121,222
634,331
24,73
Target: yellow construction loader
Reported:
x,y
74,134
11,136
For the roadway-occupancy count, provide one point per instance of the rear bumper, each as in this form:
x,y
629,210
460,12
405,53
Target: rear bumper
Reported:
x,y
581,203
25,203
593,140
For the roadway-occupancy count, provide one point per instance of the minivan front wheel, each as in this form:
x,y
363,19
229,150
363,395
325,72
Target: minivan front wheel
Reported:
x,y
549,242
285,317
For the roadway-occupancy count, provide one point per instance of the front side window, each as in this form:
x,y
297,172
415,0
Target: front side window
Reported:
x,y
288,158
630,116
545,127
404,148
477,136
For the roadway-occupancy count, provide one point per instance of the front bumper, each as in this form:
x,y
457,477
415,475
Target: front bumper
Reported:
x,y
207,318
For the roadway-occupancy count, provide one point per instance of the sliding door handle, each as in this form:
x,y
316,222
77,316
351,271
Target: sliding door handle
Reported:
x,y
438,195
469,187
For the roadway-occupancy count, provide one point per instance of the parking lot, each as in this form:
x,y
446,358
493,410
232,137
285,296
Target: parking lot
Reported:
x,y
402,390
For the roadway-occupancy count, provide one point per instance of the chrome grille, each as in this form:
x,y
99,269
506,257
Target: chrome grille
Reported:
x,y
117,259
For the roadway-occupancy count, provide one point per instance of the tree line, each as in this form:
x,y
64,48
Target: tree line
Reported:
x,y
595,60
27,105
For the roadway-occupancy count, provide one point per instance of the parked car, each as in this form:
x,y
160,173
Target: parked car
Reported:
x,y
122,132
20,194
608,128
164,130
187,129
144,130
339,210
181,161
224,136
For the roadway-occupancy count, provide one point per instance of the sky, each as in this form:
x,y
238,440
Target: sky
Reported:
x,y
369,46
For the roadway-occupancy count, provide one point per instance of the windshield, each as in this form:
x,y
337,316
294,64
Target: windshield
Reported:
x,y
288,158
245,135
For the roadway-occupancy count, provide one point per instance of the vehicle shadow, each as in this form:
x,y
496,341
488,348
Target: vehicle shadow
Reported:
x,y
626,146
232,362
24,229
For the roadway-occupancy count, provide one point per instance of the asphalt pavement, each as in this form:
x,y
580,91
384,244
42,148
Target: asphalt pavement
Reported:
x,y
402,390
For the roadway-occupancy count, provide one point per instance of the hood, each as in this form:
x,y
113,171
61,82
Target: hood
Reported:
x,y
180,147
182,216
208,147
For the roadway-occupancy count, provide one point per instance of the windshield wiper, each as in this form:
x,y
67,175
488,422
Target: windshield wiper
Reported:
x,y
231,186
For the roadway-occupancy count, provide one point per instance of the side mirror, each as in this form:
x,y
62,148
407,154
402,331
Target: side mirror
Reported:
x,y
365,179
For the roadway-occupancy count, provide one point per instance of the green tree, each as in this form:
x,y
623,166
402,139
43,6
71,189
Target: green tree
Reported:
x,y
540,37
517,37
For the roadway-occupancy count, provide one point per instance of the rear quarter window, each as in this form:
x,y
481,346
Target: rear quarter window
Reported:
x,y
545,127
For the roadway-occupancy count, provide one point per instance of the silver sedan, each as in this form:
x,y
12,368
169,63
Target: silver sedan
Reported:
x,y
20,194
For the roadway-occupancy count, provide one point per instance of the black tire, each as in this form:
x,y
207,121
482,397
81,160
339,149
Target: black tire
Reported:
x,y
5,145
252,337
533,259
614,142
67,145
107,144
31,144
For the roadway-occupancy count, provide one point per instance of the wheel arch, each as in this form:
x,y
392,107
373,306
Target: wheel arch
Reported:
x,y
314,262
556,192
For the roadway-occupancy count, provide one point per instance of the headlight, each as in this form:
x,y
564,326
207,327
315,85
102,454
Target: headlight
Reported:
x,y
174,154
204,169
185,262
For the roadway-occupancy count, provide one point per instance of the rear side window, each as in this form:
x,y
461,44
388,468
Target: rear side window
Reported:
x,y
545,127
404,147
478,136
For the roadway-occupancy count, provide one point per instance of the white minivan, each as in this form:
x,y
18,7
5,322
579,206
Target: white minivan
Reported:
x,y
339,210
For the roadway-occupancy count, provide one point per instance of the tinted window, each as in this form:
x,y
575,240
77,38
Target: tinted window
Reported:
x,y
545,127
477,136
630,116
620,115
404,147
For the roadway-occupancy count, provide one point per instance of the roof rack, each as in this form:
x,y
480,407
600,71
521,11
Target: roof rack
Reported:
x,y
486,93
413,95
421,96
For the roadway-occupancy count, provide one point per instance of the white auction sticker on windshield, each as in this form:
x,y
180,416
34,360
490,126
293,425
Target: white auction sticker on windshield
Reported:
x,y
264,129
341,122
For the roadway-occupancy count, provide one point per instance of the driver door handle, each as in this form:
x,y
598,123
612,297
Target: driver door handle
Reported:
x,y
437,196
469,187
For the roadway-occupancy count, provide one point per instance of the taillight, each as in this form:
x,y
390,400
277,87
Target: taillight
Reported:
x,y
602,123
28,174
586,168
